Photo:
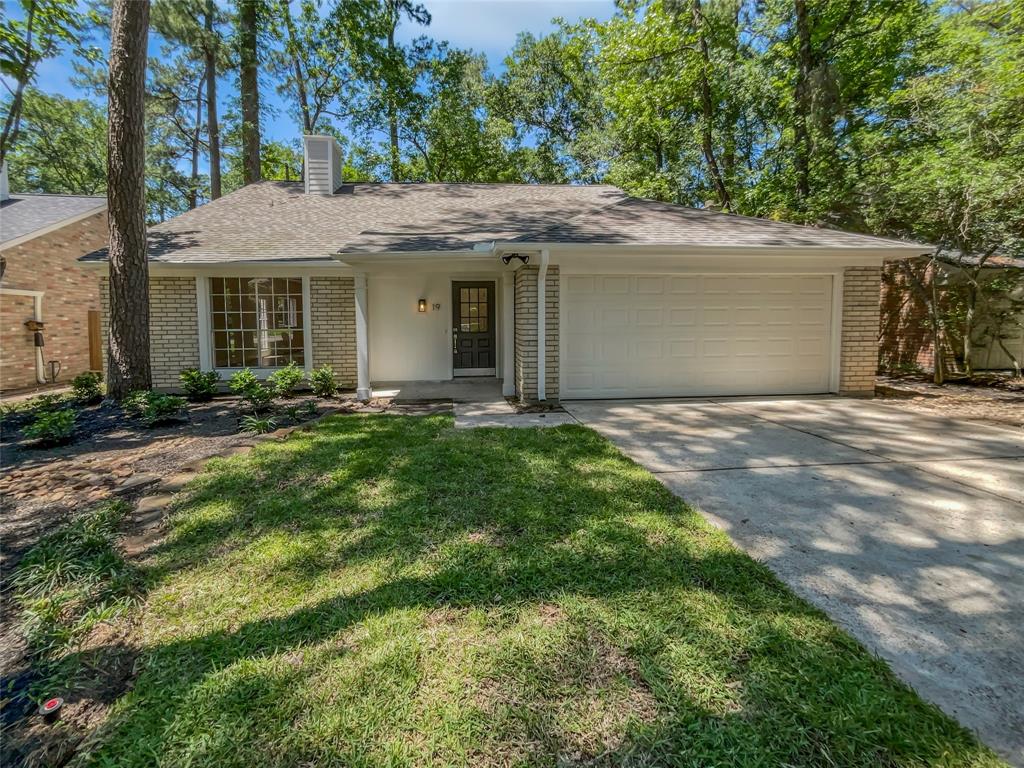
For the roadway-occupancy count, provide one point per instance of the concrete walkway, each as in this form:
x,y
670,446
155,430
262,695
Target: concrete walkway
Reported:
x,y
906,528
476,401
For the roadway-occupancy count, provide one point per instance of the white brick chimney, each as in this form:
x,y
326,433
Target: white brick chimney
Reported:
x,y
5,192
322,156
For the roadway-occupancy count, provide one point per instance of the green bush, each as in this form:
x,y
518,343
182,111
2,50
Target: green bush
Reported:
x,y
254,395
321,381
85,387
285,380
51,427
155,408
257,425
199,386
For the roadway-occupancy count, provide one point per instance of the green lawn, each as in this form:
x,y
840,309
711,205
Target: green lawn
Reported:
x,y
386,590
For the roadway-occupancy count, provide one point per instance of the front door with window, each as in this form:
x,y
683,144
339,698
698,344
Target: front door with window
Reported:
x,y
473,337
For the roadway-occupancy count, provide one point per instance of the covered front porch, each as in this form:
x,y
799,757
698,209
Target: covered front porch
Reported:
x,y
435,329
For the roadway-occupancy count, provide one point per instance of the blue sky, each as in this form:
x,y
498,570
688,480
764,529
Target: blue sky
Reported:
x,y
486,26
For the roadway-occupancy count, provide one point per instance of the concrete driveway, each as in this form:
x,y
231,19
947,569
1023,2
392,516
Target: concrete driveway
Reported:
x,y
907,529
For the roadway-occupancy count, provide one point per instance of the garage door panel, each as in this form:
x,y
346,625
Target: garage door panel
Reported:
x,y
664,335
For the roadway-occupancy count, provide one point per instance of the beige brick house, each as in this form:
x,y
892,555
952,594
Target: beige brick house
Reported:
x,y
556,291
46,294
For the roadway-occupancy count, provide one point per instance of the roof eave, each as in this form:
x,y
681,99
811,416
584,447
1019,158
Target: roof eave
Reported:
x,y
896,250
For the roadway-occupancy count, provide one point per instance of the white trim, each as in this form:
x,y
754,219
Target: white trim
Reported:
x,y
205,331
363,389
15,241
307,324
508,320
37,312
542,327
836,335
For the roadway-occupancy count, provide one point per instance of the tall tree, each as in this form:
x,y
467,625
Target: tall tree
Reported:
x,y
211,47
249,14
396,71
45,28
128,346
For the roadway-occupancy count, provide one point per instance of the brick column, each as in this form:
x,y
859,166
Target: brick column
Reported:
x,y
858,356
525,375
333,326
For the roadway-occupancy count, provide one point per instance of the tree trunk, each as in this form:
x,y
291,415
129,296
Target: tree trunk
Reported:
x,y
392,105
802,105
707,109
300,78
212,124
249,90
193,192
128,343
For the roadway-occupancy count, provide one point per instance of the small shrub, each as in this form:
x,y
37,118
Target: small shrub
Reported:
x,y
51,427
242,381
254,395
85,387
45,403
199,386
285,380
321,381
293,412
310,408
257,425
155,408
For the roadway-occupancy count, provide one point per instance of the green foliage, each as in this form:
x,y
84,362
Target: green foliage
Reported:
x,y
72,580
253,393
322,382
258,425
285,380
86,387
156,409
51,427
199,386
62,146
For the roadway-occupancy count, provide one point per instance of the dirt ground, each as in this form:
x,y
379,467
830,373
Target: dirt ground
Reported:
x,y
994,399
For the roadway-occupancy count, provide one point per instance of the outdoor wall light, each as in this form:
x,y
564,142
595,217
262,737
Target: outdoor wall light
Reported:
x,y
423,305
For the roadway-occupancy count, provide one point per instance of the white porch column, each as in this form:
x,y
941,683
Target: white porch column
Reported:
x,y
363,391
508,333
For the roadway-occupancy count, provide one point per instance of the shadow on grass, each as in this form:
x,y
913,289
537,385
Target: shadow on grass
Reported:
x,y
386,590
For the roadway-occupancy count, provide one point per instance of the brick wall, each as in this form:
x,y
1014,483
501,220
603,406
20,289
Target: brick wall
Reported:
x,y
333,325
173,327
858,362
525,373
49,263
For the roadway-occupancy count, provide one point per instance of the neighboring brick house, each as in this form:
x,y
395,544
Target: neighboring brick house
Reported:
x,y
555,291
42,238
905,337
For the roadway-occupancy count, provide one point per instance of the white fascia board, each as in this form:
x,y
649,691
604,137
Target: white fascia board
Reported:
x,y
264,267
612,250
15,241
364,259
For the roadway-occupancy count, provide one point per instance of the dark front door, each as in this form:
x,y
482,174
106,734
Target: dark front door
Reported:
x,y
473,335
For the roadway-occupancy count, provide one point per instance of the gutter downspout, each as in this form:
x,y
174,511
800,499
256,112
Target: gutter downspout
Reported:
x,y
37,315
542,326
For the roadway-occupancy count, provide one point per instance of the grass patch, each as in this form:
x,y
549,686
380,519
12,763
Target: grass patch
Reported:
x,y
386,590
68,584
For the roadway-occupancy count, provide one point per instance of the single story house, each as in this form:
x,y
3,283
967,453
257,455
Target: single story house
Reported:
x,y
47,297
558,291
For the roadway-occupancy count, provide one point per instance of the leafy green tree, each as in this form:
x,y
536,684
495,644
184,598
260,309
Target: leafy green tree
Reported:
x,y
62,148
44,29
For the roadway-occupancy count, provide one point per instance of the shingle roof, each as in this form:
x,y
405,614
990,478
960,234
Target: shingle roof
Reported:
x,y
22,215
277,220
633,221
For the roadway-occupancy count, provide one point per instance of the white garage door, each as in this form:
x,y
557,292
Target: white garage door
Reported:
x,y
667,335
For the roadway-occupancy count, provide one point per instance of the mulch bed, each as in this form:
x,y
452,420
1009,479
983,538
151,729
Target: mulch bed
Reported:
x,y
989,398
